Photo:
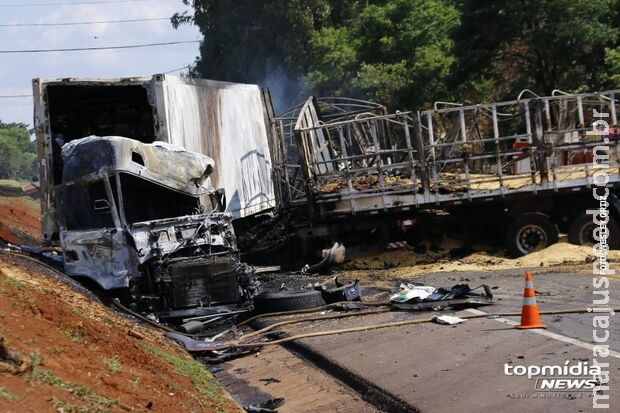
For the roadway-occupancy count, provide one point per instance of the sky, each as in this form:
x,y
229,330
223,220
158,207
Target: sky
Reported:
x,y
18,70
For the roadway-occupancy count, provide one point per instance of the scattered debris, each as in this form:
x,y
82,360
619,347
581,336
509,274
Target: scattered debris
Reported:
x,y
348,306
269,406
460,295
342,292
448,319
410,291
269,381
267,269
333,256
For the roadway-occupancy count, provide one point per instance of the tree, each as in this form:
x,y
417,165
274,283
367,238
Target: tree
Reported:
x,y
612,60
398,52
408,53
256,41
17,152
333,57
537,44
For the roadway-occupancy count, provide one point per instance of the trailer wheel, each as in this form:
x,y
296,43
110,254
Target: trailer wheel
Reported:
x,y
530,232
287,301
582,228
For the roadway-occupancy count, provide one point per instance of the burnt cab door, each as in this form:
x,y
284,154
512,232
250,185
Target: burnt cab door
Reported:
x,y
92,238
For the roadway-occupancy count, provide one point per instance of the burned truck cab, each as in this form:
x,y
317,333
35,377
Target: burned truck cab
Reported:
x,y
144,220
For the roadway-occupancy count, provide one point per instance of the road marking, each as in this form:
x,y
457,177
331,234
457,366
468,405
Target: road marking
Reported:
x,y
546,333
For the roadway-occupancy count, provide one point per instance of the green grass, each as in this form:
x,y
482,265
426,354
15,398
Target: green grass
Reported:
x,y
13,282
100,404
106,320
47,377
5,394
114,364
202,380
57,349
19,284
13,189
62,406
35,360
10,187
11,183
74,333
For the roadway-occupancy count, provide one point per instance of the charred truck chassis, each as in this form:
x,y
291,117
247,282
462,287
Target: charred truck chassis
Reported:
x,y
522,166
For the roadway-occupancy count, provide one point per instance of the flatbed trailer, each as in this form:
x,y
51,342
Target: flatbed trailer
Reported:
x,y
534,157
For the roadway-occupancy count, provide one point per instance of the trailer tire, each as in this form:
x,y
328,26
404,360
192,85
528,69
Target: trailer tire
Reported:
x,y
530,232
271,302
580,232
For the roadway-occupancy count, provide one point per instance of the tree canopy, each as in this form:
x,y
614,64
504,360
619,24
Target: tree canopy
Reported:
x,y
409,53
17,152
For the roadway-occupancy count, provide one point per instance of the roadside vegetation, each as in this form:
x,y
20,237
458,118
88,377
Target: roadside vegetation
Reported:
x,y
61,351
409,53
18,153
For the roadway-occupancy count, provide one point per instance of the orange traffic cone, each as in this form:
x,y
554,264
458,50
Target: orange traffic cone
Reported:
x,y
530,318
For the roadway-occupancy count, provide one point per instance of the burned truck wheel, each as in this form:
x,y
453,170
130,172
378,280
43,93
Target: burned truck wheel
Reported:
x,y
530,232
581,231
287,301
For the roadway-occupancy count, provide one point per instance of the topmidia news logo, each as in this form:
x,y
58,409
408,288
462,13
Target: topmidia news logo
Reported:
x,y
579,377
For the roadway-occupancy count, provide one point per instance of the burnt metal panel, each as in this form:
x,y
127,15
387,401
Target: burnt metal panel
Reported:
x,y
226,122
103,256
164,164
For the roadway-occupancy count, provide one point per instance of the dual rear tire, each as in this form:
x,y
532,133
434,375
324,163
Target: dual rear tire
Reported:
x,y
535,231
582,231
530,232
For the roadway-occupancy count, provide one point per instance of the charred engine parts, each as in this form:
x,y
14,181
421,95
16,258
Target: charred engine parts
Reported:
x,y
341,292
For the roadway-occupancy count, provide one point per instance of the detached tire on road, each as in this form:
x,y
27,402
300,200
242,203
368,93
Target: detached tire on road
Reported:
x,y
581,231
530,232
287,301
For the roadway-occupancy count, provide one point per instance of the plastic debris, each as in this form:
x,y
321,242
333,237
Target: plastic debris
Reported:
x,y
447,319
409,292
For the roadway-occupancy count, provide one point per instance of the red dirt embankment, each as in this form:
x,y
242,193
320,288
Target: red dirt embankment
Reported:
x,y
62,351
20,215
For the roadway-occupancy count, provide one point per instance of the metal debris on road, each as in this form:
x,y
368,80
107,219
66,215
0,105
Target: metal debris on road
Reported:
x,y
448,320
341,292
422,298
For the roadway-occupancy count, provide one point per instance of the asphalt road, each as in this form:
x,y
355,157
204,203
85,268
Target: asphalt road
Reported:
x,y
436,368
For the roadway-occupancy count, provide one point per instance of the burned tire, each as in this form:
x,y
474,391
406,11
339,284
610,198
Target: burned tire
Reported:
x,y
530,232
287,301
581,231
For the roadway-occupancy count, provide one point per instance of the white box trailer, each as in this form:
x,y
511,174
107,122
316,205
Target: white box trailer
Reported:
x,y
225,121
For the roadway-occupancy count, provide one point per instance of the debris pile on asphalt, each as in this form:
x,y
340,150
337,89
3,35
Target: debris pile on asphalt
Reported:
x,y
412,297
